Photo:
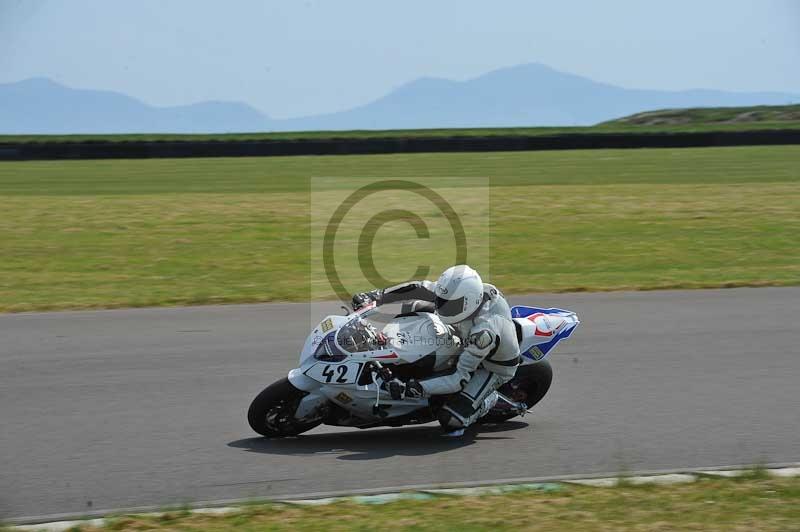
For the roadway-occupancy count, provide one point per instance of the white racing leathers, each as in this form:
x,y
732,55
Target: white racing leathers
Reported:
x,y
489,359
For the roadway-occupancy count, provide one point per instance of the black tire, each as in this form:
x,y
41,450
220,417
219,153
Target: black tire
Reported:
x,y
271,413
529,385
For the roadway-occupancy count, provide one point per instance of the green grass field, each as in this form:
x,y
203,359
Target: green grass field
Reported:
x,y
709,505
116,233
660,121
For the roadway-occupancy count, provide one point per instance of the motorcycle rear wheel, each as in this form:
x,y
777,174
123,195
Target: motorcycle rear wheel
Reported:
x,y
271,413
529,385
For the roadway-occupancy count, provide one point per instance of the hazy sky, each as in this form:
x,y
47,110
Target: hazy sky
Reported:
x,y
301,57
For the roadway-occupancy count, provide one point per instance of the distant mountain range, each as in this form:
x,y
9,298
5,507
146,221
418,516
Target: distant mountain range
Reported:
x,y
525,95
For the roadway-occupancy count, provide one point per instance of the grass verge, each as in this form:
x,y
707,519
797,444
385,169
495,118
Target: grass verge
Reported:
x,y
749,503
122,233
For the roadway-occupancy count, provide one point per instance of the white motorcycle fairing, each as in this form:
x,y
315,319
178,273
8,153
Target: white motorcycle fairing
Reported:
x,y
540,329
333,373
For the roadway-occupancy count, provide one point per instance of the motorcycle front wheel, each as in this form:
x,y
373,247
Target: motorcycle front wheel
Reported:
x,y
271,413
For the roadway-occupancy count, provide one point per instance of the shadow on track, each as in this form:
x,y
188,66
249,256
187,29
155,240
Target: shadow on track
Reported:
x,y
375,444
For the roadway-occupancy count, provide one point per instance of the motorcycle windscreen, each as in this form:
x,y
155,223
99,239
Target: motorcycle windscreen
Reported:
x,y
357,336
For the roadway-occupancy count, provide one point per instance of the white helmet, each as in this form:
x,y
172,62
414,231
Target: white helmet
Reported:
x,y
459,293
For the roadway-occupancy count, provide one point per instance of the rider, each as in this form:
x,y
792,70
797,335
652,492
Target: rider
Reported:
x,y
481,317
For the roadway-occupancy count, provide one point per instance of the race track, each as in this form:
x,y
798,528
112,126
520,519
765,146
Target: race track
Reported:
x,y
127,408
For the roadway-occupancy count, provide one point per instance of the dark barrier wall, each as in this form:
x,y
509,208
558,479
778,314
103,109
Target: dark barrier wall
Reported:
x,y
258,148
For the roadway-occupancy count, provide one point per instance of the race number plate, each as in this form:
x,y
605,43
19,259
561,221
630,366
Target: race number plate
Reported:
x,y
345,373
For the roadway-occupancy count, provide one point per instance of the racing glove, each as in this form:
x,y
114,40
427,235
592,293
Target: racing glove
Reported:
x,y
411,389
365,298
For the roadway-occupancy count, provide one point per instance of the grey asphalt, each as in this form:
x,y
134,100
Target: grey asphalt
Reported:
x,y
128,408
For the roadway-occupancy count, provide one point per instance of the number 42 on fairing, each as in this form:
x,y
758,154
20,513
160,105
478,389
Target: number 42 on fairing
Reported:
x,y
346,373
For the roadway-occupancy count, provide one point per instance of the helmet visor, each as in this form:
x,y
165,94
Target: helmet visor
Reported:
x,y
449,307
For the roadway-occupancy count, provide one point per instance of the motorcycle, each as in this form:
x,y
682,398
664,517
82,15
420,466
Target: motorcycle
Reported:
x,y
347,361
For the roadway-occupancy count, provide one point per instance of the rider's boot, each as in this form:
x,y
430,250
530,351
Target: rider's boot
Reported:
x,y
452,426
